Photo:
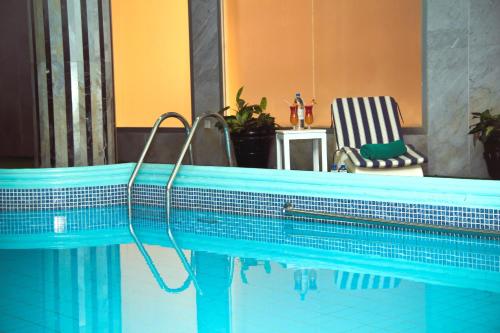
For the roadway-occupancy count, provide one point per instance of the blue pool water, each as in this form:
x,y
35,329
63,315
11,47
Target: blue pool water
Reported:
x,y
297,277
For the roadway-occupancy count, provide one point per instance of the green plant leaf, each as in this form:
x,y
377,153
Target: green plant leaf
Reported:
x,y
238,94
244,119
245,114
486,126
263,103
475,129
485,115
255,108
221,111
487,132
241,105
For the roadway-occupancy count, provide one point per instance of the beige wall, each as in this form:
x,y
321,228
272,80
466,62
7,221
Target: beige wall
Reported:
x,y
151,60
324,49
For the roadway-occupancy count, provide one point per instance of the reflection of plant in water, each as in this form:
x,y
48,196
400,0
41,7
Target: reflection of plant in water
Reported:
x,y
246,263
304,278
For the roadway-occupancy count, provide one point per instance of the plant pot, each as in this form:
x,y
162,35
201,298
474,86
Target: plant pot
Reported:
x,y
252,148
492,156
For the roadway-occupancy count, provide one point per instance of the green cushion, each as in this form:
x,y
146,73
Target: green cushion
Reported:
x,y
383,151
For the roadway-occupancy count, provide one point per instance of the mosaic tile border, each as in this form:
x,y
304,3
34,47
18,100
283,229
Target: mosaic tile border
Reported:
x,y
270,205
246,203
62,198
62,221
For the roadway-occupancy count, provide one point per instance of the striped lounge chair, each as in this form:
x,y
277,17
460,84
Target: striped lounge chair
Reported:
x,y
361,120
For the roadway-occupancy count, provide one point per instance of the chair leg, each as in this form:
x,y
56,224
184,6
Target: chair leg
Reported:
x,y
340,158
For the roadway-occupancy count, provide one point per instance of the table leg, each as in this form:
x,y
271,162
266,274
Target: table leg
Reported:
x,y
279,154
324,155
286,150
315,154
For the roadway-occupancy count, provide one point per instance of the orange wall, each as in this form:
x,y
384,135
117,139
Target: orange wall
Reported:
x,y
262,51
151,60
337,48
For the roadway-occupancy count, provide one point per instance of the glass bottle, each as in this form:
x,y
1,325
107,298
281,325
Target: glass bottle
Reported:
x,y
300,110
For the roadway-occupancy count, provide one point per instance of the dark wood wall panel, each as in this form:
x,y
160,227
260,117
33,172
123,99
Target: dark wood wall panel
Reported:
x,y
16,80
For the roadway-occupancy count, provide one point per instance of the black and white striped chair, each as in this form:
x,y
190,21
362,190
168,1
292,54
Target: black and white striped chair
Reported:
x,y
361,120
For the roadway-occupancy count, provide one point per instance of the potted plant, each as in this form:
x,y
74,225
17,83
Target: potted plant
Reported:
x,y
252,132
487,130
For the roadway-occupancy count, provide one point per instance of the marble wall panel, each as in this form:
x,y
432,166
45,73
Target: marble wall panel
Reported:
x,y
95,82
108,68
484,23
76,122
447,112
463,56
206,77
58,82
446,53
205,34
445,15
484,94
42,88
484,70
77,82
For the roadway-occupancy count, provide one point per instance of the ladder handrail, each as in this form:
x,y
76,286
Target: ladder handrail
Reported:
x,y
157,124
173,175
190,138
131,181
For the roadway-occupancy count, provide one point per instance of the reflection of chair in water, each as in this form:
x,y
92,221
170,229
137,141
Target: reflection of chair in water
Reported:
x,y
358,281
367,120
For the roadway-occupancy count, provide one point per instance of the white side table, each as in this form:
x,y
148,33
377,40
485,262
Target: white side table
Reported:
x,y
283,138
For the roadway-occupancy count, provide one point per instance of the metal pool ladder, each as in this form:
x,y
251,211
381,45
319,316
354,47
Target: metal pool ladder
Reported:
x,y
131,181
187,147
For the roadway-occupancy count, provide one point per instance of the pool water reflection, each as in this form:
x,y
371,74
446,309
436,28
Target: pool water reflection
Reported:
x,y
111,289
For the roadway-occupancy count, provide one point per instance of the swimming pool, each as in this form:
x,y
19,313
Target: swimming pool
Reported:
x,y
68,263
295,279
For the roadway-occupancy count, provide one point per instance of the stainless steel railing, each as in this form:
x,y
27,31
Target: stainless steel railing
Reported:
x,y
131,181
174,173
289,210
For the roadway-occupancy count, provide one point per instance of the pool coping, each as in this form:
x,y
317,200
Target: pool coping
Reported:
x,y
434,191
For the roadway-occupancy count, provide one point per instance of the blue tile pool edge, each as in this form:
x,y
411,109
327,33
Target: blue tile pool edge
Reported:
x,y
426,190
471,204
